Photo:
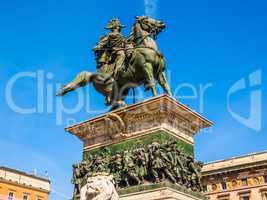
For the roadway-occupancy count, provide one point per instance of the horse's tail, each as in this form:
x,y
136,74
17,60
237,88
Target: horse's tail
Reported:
x,y
82,79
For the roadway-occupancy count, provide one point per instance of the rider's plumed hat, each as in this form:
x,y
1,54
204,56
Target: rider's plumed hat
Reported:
x,y
114,23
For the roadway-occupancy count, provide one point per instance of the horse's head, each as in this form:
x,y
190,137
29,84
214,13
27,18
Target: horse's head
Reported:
x,y
150,25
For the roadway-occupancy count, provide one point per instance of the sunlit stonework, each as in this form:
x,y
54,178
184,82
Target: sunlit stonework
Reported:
x,y
237,178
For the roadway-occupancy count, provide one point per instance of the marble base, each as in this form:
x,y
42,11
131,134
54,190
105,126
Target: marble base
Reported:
x,y
160,194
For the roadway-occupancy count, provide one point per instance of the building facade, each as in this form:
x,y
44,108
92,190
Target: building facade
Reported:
x,y
239,178
17,185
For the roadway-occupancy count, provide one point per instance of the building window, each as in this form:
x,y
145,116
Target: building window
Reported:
x,y
11,196
25,197
244,182
223,197
224,186
244,195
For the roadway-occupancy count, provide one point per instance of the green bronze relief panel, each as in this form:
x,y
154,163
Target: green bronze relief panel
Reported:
x,y
154,158
142,141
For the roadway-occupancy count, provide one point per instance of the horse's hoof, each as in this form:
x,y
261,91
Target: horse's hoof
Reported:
x,y
107,101
60,93
123,105
118,104
114,107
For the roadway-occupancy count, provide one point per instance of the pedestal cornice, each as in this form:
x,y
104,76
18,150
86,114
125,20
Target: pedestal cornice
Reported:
x,y
161,113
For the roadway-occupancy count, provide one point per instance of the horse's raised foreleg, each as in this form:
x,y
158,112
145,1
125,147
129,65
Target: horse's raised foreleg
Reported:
x,y
164,83
80,80
148,69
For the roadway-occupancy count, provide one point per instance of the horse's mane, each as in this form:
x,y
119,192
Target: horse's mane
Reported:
x,y
133,36
132,33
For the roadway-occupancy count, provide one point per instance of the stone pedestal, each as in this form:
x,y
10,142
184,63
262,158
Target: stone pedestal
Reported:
x,y
163,192
148,131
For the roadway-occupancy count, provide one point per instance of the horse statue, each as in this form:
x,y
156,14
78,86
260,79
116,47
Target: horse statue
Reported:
x,y
144,65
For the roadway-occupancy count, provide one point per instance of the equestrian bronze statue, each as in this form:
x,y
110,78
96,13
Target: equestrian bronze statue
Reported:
x,y
125,63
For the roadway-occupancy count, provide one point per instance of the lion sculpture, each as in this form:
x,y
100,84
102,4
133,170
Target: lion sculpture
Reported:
x,y
99,188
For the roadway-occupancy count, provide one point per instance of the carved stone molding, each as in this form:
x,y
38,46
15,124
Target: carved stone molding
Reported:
x,y
158,113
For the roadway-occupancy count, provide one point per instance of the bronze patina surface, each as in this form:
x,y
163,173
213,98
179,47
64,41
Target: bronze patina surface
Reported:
x,y
152,163
125,63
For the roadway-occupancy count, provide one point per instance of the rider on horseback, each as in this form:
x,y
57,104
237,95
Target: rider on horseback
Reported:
x,y
110,50
125,63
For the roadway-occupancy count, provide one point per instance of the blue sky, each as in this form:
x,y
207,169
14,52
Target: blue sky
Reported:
x,y
213,43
